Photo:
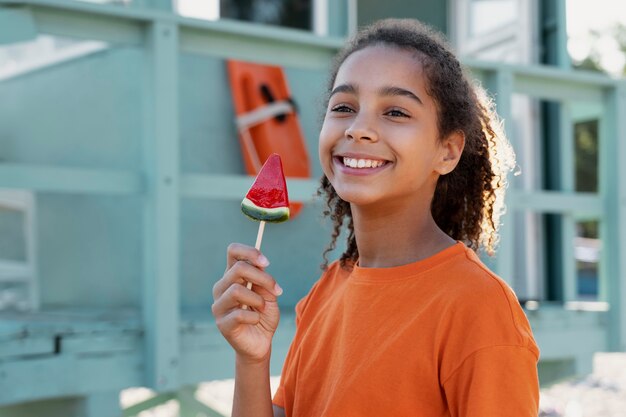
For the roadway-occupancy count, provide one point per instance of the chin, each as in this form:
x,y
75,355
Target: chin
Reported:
x,y
355,193
356,197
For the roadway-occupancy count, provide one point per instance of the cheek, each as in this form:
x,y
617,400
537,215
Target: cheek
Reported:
x,y
325,144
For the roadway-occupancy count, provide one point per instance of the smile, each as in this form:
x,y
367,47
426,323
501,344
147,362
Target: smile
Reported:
x,y
362,163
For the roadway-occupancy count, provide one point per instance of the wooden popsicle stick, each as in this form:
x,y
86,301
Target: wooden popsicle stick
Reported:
x,y
257,246
259,235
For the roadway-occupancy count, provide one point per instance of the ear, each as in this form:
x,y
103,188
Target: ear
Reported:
x,y
451,150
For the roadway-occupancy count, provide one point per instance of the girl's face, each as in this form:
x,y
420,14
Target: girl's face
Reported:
x,y
380,140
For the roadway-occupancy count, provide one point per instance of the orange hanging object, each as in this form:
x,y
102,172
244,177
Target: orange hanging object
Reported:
x,y
267,120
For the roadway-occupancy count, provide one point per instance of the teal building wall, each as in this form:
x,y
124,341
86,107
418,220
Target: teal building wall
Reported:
x,y
132,153
88,113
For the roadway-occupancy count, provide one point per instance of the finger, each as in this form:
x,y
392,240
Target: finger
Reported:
x,y
242,272
228,322
238,252
234,297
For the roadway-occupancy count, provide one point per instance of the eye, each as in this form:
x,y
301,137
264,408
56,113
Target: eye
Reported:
x,y
396,113
341,108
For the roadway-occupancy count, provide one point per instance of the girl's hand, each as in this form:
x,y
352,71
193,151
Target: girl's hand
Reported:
x,y
249,331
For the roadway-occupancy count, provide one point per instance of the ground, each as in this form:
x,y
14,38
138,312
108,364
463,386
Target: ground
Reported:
x,y
600,394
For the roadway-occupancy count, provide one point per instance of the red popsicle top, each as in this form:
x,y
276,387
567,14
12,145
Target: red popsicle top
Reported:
x,y
269,189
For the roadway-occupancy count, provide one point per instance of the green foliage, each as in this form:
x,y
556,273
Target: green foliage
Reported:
x,y
586,133
586,151
593,61
586,143
589,64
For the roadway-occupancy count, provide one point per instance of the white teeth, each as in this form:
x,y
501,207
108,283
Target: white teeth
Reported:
x,y
361,163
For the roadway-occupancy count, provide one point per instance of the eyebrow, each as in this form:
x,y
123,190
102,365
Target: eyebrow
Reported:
x,y
398,91
344,88
383,91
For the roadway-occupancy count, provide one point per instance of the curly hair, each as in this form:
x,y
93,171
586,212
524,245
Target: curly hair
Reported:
x,y
468,202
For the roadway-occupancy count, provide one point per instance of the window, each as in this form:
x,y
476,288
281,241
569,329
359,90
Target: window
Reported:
x,y
296,14
18,280
289,13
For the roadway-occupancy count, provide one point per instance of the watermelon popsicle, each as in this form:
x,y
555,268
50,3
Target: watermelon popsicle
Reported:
x,y
267,199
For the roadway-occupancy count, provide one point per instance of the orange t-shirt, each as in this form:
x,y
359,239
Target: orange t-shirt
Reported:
x,y
440,337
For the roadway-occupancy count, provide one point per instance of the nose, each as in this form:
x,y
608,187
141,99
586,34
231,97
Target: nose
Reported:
x,y
361,129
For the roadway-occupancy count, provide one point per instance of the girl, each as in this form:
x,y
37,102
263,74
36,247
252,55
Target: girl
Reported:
x,y
408,322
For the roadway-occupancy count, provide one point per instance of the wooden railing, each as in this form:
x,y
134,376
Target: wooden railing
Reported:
x,y
164,36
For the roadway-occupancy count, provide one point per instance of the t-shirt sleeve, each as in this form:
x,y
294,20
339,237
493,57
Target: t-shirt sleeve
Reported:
x,y
495,381
305,307
279,396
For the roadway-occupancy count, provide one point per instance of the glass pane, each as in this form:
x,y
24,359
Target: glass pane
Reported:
x,y
12,237
587,251
290,13
586,156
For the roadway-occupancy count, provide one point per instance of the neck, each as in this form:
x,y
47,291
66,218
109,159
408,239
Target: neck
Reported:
x,y
397,235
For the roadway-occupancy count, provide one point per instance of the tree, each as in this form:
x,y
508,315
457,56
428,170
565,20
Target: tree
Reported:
x,y
596,58
586,132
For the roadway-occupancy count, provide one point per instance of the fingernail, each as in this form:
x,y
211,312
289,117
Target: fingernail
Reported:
x,y
263,261
277,289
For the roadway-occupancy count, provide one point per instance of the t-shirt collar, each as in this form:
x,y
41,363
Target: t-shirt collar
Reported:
x,y
404,271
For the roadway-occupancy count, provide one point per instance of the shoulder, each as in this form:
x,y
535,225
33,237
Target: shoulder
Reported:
x,y
484,310
332,278
468,280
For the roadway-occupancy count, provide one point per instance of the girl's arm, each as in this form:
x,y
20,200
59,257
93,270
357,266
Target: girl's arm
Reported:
x,y
252,389
249,331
